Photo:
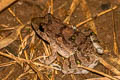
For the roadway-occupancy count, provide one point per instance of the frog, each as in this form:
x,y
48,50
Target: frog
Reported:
x,y
76,46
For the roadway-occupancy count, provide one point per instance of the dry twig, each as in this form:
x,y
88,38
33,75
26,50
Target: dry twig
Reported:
x,y
110,67
115,47
7,76
8,40
98,72
35,68
73,6
87,13
7,64
98,15
103,78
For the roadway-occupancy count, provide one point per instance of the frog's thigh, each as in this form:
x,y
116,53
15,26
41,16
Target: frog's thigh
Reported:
x,y
70,66
74,69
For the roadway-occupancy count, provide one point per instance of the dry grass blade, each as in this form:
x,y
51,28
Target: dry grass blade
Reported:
x,y
7,55
73,77
53,75
7,76
74,4
7,63
35,68
88,14
47,52
51,7
32,46
42,65
16,19
103,78
5,3
115,47
26,55
115,60
39,57
35,77
98,15
12,28
23,74
24,44
8,40
15,16
16,59
3,25
11,56
60,7
98,72
110,67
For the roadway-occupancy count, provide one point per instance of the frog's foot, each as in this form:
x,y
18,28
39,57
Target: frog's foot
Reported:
x,y
49,59
96,44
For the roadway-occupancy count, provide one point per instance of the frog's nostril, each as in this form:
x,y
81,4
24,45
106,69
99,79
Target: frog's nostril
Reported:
x,y
41,28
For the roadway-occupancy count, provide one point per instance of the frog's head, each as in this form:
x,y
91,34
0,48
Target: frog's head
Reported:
x,y
46,27
39,26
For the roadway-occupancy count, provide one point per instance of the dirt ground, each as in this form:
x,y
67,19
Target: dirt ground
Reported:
x,y
25,10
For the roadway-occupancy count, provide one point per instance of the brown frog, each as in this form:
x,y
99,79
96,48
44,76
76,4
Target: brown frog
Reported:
x,y
75,45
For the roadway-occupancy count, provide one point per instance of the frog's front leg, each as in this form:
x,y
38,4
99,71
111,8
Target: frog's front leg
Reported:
x,y
50,59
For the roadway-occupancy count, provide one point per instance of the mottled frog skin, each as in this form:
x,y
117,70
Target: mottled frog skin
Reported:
x,y
74,45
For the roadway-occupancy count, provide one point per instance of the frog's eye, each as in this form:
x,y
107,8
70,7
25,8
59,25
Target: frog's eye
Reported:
x,y
41,28
72,38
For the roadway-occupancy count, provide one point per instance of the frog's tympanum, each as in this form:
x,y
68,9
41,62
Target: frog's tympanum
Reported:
x,y
76,46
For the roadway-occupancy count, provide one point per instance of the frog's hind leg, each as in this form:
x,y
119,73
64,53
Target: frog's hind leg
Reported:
x,y
70,66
